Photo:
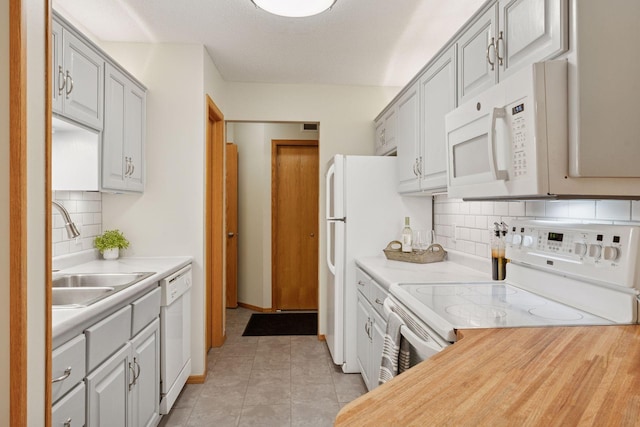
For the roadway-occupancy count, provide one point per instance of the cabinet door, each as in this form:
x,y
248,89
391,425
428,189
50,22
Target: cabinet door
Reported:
x,y
378,330
363,341
70,410
135,125
438,97
57,70
113,135
407,139
475,71
108,391
84,85
530,31
124,133
145,393
379,137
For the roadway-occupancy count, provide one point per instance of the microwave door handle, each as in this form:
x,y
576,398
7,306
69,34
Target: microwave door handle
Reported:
x,y
499,175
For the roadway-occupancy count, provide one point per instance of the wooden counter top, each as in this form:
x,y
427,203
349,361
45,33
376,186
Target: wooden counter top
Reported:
x,y
522,376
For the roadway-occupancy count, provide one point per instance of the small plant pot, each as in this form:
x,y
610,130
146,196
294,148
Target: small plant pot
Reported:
x,y
112,253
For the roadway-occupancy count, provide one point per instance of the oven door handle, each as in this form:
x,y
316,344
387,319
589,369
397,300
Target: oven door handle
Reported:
x,y
425,349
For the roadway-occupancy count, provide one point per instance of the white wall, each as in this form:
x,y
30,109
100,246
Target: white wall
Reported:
x,y
465,226
168,218
345,114
4,213
254,204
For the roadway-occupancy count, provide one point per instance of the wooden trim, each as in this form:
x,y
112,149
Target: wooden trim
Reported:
x,y
18,212
321,337
256,308
47,217
275,143
214,229
197,379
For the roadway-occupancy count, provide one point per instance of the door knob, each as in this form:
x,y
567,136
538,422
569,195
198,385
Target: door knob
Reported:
x,y
230,234
312,235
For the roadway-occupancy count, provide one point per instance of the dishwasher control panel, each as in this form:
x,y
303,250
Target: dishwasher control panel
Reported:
x,y
175,285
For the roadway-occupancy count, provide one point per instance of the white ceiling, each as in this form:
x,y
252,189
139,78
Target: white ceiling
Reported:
x,y
358,42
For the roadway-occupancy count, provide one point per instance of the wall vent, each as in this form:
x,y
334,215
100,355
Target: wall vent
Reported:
x,y
309,127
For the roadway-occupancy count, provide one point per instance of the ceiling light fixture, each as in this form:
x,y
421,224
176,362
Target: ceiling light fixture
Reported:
x,y
294,8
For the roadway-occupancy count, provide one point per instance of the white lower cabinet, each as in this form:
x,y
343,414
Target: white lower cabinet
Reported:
x,y
372,327
121,354
70,410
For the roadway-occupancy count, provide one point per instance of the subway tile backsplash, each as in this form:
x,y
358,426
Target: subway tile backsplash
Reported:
x,y
466,226
85,208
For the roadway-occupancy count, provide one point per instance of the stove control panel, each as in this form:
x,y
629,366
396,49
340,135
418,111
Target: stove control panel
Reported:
x,y
603,252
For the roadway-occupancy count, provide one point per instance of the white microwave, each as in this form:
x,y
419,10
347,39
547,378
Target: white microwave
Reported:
x,y
497,142
551,130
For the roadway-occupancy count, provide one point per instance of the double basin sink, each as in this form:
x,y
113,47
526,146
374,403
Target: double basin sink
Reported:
x,y
82,290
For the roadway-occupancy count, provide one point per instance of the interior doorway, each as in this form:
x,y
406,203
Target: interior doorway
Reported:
x,y
295,175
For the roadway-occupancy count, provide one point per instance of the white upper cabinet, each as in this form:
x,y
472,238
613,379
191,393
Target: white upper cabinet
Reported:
x,y
78,74
530,31
437,98
386,132
407,138
476,56
509,35
124,133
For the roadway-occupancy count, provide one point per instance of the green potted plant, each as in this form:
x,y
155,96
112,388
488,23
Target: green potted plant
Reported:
x,y
110,242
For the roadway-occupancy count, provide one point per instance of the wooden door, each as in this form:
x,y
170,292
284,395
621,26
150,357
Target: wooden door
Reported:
x,y
295,225
231,203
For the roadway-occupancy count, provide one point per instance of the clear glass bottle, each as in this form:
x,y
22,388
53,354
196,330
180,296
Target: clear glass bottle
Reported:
x,y
407,236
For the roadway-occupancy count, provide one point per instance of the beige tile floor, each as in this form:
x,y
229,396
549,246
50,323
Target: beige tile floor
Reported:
x,y
265,381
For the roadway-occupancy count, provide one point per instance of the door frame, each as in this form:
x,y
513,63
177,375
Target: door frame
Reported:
x,y
275,143
214,227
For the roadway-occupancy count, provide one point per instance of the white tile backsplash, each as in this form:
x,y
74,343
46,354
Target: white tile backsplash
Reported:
x,y
473,221
85,209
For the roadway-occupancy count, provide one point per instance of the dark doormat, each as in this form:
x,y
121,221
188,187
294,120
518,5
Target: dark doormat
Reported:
x,y
265,324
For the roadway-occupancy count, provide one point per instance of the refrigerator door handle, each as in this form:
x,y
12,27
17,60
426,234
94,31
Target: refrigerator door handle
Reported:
x,y
331,266
337,219
329,200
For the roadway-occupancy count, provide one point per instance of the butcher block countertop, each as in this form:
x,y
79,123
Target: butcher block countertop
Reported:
x,y
552,376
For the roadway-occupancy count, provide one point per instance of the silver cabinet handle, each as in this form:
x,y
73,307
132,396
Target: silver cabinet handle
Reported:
x,y
491,44
69,84
420,166
360,282
63,377
133,167
61,80
135,362
500,58
379,302
133,373
67,423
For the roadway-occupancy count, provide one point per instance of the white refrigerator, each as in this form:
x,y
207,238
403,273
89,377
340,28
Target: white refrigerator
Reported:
x,y
364,212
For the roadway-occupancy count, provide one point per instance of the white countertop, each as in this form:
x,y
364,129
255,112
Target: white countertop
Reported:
x,y
69,322
457,267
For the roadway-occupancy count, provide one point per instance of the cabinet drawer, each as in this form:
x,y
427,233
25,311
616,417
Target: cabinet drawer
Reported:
x,y
363,283
145,310
70,410
67,366
107,336
378,295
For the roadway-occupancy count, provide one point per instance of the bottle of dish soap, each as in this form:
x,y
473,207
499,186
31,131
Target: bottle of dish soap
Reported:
x,y
407,236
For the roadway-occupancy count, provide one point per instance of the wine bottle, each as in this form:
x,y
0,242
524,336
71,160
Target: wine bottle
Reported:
x,y
407,236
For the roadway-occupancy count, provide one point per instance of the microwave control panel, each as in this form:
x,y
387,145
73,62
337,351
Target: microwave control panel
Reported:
x,y
519,138
598,251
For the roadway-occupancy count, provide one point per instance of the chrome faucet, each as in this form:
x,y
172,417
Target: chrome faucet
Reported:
x,y
72,230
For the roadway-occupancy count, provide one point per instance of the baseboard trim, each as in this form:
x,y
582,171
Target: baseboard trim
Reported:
x,y
255,308
197,379
321,337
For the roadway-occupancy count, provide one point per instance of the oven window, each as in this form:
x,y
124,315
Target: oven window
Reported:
x,y
471,157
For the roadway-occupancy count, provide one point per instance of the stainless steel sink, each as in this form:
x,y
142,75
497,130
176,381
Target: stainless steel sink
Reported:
x,y
79,297
81,290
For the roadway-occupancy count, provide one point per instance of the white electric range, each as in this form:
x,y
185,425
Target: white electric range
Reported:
x,y
559,274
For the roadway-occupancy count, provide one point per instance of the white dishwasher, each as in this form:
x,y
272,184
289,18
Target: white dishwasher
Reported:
x,y
175,336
